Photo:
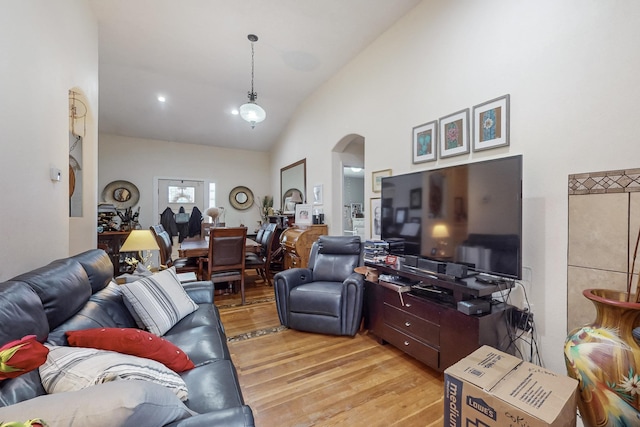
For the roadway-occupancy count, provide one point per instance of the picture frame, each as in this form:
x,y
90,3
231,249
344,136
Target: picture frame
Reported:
x,y
402,215
375,207
415,198
376,179
356,210
317,194
303,214
454,134
425,142
491,124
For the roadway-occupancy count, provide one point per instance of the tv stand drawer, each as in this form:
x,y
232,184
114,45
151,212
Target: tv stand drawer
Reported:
x,y
413,347
409,324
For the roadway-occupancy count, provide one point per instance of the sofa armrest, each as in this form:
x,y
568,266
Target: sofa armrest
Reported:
x,y
200,292
240,416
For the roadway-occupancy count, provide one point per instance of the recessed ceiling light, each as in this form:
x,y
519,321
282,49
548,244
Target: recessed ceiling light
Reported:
x,y
161,98
235,112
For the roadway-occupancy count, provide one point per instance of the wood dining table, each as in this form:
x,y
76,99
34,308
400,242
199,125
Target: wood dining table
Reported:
x,y
199,247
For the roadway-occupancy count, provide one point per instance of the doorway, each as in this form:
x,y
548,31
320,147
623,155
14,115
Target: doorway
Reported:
x,y
353,217
348,163
179,193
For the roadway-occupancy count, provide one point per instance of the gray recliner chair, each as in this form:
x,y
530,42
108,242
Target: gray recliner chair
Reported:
x,y
327,296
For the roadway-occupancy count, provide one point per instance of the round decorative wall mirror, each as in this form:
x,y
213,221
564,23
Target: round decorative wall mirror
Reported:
x,y
241,198
122,194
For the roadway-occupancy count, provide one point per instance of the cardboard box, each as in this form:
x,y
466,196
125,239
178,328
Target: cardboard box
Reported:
x,y
491,388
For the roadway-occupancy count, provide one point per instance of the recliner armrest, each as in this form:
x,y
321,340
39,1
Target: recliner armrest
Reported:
x,y
283,282
200,292
354,278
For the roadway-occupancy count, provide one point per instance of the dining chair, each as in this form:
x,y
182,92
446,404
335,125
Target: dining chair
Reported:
x,y
225,261
261,261
165,242
205,227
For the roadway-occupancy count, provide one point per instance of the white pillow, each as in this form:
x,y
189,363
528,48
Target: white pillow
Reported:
x,y
158,301
118,403
75,368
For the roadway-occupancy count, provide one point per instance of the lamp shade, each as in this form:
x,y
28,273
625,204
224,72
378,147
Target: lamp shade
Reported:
x,y
440,231
295,197
252,113
140,240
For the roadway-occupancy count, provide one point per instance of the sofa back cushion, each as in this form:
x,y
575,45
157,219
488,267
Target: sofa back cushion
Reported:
x,y
63,287
98,267
21,313
105,309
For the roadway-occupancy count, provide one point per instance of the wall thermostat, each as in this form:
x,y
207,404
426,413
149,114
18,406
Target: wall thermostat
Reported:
x,y
55,174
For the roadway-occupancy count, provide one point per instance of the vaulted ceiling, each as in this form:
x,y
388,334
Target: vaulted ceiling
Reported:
x,y
196,54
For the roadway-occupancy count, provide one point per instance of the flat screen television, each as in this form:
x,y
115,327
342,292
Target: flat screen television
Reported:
x,y
468,214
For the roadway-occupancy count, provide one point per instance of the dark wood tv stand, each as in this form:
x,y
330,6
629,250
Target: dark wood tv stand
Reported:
x,y
431,329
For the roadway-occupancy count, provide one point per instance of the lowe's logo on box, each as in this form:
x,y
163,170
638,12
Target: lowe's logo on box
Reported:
x,y
482,407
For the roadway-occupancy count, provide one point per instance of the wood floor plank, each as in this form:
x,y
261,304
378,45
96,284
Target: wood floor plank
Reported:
x,y
298,379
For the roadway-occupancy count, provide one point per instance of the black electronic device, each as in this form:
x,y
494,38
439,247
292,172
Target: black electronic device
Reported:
x,y
431,265
468,214
411,260
458,271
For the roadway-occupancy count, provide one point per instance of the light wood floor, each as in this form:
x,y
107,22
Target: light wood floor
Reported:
x,y
293,378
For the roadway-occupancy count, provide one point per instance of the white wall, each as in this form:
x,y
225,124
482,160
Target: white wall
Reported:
x,y
47,48
140,161
571,68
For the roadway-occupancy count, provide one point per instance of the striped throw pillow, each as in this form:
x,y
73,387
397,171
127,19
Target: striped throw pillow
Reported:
x,y
75,368
158,301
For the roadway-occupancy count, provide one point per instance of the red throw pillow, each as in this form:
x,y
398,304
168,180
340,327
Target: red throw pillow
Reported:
x,y
134,342
21,356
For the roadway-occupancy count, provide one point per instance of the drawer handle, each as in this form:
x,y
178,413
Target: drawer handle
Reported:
x,y
407,324
406,343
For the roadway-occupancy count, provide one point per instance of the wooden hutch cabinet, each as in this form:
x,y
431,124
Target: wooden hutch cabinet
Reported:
x,y
296,243
111,242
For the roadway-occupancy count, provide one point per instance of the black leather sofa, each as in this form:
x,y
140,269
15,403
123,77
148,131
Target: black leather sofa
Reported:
x,y
78,293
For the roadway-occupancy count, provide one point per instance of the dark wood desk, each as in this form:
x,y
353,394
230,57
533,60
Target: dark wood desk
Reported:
x,y
198,247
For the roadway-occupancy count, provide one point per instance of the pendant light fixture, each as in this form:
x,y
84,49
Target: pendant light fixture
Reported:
x,y
250,111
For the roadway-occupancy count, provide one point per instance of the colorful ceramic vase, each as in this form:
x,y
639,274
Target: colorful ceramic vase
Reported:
x,y
604,358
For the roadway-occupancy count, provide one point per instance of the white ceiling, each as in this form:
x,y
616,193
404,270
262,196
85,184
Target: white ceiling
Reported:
x,y
196,53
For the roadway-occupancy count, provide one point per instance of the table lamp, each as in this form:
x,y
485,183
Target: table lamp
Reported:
x,y
440,233
139,241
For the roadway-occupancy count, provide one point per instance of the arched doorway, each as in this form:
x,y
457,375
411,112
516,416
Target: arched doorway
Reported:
x,y
348,191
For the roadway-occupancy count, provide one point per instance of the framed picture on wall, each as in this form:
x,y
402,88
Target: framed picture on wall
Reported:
x,y
454,134
376,179
491,124
424,142
317,194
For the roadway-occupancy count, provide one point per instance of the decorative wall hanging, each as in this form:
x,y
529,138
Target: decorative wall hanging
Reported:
x,y
454,134
241,198
376,179
424,142
121,194
491,124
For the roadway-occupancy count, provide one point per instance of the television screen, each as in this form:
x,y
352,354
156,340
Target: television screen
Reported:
x,y
467,214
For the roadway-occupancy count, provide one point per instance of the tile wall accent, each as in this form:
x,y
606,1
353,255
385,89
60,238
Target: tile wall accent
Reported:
x,y
603,229
619,181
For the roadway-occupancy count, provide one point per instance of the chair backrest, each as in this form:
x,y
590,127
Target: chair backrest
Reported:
x,y
226,248
165,243
333,258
